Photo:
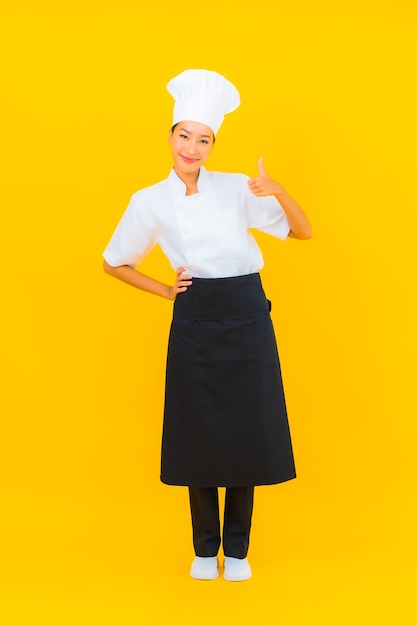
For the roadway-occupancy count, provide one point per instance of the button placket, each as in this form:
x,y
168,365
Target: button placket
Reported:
x,y
185,213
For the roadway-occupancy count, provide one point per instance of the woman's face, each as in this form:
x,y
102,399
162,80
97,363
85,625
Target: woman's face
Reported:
x,y
191,144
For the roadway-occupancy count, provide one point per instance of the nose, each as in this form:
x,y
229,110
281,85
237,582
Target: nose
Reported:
x,y
191,147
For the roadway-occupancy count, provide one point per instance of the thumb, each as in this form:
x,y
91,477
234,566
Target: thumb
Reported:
x,y
261,167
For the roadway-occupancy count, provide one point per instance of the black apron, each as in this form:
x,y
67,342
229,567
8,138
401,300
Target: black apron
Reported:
x,y
225,419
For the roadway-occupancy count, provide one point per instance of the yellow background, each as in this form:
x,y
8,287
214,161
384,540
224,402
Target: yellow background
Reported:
x,y
89,535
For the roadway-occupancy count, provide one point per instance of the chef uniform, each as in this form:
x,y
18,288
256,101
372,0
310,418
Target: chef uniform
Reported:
x,y
225,420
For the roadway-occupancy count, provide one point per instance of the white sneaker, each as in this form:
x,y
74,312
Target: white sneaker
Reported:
x,y
204,568
236,569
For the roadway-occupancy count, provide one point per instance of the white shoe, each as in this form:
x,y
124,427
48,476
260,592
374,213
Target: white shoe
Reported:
x,y
236,569
204,568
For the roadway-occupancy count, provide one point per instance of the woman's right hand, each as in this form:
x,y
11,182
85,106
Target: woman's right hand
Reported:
x,y
183,281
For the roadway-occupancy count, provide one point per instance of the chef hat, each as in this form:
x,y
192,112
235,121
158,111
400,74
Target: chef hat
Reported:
x,y
202,96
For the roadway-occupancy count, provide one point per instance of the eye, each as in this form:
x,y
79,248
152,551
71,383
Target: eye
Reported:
x,y
204,141
184,136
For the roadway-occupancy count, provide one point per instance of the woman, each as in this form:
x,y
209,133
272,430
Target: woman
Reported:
x,y
225,420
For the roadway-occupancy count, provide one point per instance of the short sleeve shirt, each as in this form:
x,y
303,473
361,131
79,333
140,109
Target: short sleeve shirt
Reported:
x,y
207,233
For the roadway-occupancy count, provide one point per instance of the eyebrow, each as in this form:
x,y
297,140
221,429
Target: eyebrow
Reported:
x,y
190,133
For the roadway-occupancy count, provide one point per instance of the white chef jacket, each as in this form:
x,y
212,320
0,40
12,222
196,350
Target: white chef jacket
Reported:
x,y
207,233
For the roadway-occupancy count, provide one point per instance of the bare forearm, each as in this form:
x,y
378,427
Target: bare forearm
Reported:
x,y
297,219
141,281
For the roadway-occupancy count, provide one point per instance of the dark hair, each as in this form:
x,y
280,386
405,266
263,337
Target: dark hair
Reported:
x,y
175,125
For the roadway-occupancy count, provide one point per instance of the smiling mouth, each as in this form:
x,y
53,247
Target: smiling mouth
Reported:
x,y
187,159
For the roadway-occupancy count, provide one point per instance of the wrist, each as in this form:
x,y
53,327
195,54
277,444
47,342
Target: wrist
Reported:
x,y
279,190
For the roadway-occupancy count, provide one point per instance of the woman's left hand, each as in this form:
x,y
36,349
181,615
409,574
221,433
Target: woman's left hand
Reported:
x,y
263,185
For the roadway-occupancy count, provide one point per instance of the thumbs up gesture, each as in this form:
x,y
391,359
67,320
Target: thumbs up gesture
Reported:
x,y
263,184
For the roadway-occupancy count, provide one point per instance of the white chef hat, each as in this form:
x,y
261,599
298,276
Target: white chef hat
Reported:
x,y
202,96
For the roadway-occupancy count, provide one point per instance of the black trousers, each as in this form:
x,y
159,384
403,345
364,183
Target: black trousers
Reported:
x,y
238,507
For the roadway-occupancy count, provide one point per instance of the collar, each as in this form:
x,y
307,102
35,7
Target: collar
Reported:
x,y
180,188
